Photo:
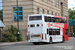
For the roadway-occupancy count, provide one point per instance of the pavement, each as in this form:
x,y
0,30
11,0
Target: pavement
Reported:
x,y
71,37
20,42
12,43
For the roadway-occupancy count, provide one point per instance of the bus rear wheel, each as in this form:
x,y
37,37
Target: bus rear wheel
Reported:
x,y
62,40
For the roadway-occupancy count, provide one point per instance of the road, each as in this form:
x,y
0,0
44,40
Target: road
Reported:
x,y
68,45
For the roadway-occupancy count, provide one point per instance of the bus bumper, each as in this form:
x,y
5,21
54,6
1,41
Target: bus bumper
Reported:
x,y
36,41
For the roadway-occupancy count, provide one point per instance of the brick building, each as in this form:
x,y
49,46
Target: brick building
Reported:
x,y
27,7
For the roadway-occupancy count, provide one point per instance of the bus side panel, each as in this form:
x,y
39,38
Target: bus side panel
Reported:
x,y
63,31
65,26
65,36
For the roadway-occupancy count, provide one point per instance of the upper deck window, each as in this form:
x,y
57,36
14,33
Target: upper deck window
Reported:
x,y
48,19
64,21
35,18
55,19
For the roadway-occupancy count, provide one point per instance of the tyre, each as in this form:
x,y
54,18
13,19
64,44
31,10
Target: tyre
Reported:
x,y
62,40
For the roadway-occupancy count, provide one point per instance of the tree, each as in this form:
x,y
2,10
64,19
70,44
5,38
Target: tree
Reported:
x,y
11,35
71,13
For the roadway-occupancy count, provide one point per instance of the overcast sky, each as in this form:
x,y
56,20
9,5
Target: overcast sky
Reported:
x,y
71,3
0,4
0,0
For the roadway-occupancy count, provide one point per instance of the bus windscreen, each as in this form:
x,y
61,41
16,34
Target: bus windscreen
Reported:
x,y
35,18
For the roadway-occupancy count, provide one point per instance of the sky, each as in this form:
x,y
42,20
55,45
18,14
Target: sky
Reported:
x,y
0,4
0,0
71,4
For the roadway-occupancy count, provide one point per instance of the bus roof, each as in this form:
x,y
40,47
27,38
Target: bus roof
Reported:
x,y
60,17
46,15
39,15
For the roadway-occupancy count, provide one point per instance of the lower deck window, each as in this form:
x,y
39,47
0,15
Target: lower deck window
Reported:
x,y
58,31
66,31
50,32
53,31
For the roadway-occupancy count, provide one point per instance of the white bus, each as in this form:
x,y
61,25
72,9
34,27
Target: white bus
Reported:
x,y
42,28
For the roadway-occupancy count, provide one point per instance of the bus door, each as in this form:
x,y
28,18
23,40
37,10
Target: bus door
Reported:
x,y
58,35
49,33
52,33
54,37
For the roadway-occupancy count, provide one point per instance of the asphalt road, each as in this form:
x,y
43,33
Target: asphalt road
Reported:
x,y
68,45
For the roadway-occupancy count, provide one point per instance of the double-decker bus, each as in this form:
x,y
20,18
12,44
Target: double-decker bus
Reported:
x,y
47,28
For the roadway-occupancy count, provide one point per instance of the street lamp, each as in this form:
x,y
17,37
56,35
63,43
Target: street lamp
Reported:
x,y
17,21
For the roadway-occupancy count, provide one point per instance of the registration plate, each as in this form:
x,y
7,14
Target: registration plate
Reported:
x,y
35,35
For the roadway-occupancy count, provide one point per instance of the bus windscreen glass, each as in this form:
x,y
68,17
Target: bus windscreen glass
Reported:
x,y
35,18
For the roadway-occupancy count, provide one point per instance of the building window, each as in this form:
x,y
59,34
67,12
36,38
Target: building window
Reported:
x,y
37,10
58,3
58,15
55,14
20,13
51,0
55,2
47,12
1,11
52,13
43,11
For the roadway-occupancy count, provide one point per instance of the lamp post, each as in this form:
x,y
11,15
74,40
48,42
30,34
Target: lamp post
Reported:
x,y
17,21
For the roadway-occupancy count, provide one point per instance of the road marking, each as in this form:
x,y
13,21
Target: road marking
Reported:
x,y
65,47
38,47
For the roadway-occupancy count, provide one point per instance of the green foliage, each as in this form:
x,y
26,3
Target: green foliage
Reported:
x,y
11,35
73,28
71,13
